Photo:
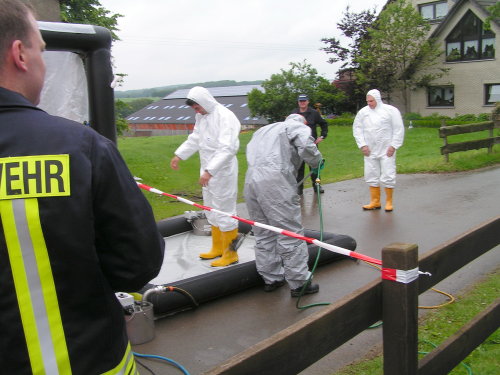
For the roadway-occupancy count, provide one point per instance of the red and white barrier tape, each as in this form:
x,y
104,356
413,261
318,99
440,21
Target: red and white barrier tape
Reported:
x,y
402,276
327,246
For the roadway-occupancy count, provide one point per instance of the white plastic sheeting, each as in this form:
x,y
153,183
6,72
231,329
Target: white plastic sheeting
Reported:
x,y
181,259
65,91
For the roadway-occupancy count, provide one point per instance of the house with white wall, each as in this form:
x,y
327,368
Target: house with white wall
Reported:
x,y
472,84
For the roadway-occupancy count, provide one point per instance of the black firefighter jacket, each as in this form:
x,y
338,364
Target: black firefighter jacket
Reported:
x,y
74,229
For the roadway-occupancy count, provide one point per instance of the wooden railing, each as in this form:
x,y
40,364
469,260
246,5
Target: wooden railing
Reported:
x,y
395,303
446,131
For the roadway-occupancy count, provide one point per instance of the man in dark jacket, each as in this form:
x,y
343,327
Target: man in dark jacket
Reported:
x,y
314,120
74,228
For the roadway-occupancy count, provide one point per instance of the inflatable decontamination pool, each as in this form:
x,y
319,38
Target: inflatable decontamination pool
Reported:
x,y
188,281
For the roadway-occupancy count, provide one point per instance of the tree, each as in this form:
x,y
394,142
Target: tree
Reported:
x,y
137,104
397,54
89,12
494,14
122,110
281,91
355,27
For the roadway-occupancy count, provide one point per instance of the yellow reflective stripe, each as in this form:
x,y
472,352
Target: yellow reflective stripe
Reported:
x,y
126,366
22,287
48,287
35,287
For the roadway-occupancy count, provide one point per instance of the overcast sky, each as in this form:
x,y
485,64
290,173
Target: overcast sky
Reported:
x,y
167,42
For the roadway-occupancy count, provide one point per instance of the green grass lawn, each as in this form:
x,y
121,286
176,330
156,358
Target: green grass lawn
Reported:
x,y
149,158
441,323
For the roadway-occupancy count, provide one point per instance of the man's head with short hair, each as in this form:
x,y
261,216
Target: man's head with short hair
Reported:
x,y
22,68
14,25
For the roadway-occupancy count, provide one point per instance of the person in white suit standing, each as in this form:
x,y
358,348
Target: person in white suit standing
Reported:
x,y
215,138
379,131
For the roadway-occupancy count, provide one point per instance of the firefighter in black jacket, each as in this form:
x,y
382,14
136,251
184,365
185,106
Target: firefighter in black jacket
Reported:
x,y
314,120
74,228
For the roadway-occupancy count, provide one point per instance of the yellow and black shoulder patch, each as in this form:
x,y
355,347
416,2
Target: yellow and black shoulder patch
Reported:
x,y
34,176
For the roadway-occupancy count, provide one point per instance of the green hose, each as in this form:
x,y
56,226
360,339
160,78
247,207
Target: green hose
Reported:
x,y
318,187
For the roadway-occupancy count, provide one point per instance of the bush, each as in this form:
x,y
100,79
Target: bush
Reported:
x,y
467,117
412,116
484,117
341,121
417,121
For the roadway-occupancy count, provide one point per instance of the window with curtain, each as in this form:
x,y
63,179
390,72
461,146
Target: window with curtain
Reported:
x,y
469,41
441,96
492,93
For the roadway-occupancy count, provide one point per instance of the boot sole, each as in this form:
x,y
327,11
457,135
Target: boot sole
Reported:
x,y
237,261
371,209
210,257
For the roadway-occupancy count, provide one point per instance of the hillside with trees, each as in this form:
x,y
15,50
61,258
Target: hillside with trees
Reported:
x,y
159,92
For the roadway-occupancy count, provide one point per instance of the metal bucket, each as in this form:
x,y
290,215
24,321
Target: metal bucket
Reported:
x,y
199,222
201,227
141,325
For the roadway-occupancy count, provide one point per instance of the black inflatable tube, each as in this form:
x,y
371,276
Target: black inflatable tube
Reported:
x,y
227,280
93,43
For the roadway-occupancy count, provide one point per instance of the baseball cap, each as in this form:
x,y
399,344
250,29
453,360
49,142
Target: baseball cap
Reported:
x,y
302,97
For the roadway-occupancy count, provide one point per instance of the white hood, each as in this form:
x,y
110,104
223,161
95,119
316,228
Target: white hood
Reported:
x,y
203,97
297,118
375,94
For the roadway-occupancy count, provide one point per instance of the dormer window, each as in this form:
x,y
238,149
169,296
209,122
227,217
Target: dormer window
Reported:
x,y
469,40
433,11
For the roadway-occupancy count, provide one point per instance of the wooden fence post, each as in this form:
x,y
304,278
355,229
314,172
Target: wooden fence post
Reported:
x,y
445,139
400,308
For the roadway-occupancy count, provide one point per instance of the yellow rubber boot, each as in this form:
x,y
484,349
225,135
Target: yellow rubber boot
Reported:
x,y
229,256
374,199
217,248
388,199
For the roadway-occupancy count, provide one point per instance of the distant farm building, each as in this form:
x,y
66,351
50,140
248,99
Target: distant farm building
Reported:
x,y
171,115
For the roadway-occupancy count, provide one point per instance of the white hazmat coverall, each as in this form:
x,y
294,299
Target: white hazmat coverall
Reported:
x,y
215,137
274,155
378,129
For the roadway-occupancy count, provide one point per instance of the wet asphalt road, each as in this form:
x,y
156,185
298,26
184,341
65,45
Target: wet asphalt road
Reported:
x,y
429,209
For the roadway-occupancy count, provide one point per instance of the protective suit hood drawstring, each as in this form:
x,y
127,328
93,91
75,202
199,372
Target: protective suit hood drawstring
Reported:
x,y
203,97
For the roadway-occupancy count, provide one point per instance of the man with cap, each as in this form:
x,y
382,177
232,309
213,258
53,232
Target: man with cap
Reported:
x,y
313,120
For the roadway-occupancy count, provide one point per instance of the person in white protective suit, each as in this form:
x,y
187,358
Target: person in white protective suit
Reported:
x,y
215,137
379,131
274,155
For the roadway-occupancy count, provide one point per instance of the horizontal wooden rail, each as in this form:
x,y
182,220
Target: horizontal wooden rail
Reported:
x,y
449,354
297,347
445,259
469,145
463,129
